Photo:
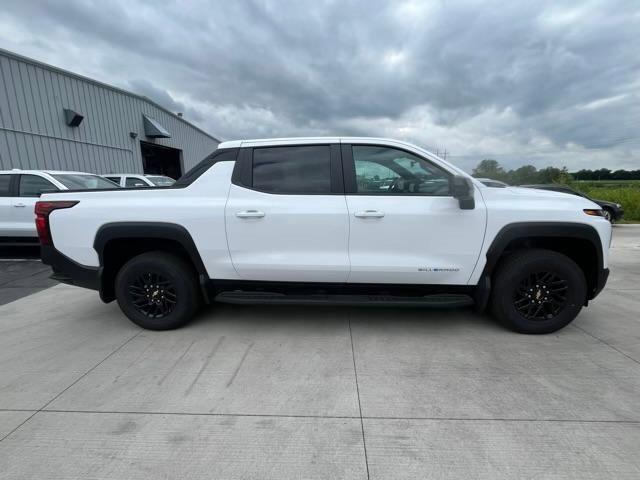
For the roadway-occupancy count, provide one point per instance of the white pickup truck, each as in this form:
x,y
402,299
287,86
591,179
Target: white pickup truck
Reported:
x,y
331,221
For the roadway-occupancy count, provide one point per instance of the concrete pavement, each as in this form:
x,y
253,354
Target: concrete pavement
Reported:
x,y
288,392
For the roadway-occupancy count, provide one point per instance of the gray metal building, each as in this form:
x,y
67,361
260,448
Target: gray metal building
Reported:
x,y
57,120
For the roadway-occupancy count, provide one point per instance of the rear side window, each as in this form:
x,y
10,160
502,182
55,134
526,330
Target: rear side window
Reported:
x,y
5,184
222,155
34,186
296,169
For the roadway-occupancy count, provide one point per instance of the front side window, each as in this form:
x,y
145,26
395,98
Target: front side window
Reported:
x,y
389,171
114,179
34,186
5,185
295,169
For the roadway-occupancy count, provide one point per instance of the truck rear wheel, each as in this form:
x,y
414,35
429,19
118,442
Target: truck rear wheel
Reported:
x,y
157,291
538,291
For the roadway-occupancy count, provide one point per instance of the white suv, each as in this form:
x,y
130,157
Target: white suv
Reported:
x,y
135,180
19,191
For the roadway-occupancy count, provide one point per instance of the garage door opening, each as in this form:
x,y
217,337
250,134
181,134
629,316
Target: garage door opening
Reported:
x,y
160,160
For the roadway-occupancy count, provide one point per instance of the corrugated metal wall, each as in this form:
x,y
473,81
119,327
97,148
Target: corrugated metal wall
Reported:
x,y
34,135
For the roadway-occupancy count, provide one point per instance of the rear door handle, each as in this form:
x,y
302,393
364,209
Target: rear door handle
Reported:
x,y
250,214
369,214
19,205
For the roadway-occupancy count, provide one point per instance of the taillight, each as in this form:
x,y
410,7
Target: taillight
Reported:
x,y
43,210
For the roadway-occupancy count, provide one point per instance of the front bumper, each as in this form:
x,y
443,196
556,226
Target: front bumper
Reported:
x,y
68,271
601,281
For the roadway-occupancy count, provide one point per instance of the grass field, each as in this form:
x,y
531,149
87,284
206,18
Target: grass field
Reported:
x,y
625,192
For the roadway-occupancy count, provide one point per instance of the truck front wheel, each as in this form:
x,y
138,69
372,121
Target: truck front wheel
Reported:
x,y
157,291
538,291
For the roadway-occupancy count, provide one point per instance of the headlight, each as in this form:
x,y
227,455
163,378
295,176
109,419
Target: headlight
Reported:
x,y
618,205
594,212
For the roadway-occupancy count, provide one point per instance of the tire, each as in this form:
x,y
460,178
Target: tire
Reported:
x,y
157,291
608,214
538,291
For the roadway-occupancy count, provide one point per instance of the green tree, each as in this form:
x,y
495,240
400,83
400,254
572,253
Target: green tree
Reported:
x,y
523,175
549,175
489,168
564,177
602,174
583,174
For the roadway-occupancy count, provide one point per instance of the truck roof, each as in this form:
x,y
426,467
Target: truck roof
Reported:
x,y
307,140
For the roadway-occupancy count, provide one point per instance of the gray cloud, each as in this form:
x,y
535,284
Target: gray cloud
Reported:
x,y
145,88
548,82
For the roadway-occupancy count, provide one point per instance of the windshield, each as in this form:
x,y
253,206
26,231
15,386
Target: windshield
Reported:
x,y
161,181
80,181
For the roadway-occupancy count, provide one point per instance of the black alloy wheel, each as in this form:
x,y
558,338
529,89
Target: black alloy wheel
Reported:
x,y
540,296
153,295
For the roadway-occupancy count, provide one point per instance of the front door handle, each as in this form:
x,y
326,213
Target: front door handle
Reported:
x,y
19,205
369,214
250,214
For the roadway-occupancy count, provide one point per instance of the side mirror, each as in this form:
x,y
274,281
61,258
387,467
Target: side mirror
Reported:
x,y
462,189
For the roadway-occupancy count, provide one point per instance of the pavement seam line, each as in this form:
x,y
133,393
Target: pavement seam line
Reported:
x,y
72,384
605,343
328,417
355,371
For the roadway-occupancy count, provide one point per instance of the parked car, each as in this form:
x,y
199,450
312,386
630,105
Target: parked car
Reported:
x,y
19,191
489,182
303,220
136,180
612,211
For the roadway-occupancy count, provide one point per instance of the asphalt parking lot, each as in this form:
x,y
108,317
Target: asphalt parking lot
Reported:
x,y
265,392
21,273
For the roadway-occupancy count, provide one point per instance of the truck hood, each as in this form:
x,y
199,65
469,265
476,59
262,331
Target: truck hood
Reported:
x,y
537,199
535,192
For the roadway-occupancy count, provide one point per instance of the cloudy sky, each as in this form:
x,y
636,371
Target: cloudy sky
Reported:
x,y
544,82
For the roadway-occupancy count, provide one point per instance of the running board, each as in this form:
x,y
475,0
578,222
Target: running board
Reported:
x,y
433,301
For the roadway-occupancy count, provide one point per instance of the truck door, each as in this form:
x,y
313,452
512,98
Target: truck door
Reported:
x,y
406,227
286,214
